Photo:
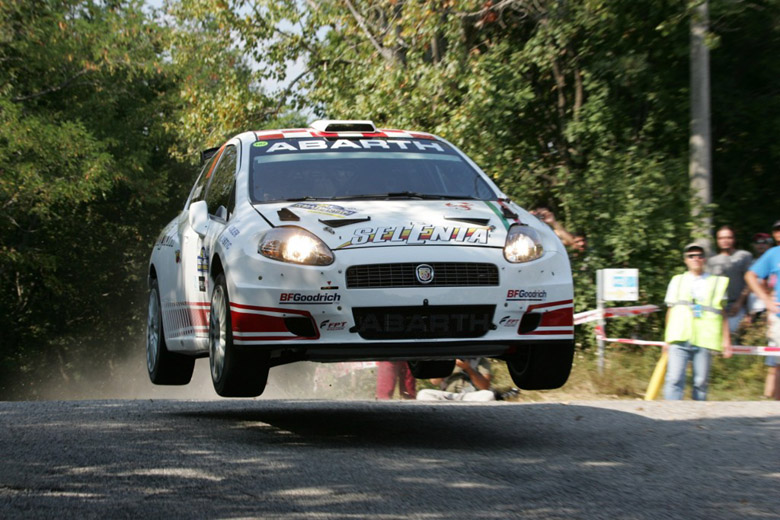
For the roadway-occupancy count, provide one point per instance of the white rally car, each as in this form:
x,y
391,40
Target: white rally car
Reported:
x,y
343,242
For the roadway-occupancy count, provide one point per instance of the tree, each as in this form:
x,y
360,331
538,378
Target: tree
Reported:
x,y
745,38
226,57
84,174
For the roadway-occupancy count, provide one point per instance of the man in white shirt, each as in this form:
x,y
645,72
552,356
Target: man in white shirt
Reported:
x,y
469,381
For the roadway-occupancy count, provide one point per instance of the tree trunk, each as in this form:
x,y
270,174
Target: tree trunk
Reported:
x,y
700,165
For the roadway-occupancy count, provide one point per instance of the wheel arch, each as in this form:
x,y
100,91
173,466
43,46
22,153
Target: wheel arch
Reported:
x,y
216,267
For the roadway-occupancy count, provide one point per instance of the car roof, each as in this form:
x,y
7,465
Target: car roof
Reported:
x,y
344,129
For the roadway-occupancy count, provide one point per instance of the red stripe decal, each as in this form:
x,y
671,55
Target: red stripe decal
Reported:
x,y
253,323
267,338
199,316
263,137
551,304
555,318
558,318
216,160
243,322
275,134
268,309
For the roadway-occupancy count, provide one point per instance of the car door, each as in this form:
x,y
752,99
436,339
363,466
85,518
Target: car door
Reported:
x,y
191,304
220,202
216,188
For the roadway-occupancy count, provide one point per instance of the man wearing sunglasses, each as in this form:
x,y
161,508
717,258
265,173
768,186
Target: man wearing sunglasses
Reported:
x,y
696,325
767,268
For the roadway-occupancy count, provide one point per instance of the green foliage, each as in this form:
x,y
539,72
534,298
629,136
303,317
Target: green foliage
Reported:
x,y
225,56
746,114
741,377
84,175
628,370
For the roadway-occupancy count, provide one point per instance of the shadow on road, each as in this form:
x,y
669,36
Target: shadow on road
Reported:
x,y
298,459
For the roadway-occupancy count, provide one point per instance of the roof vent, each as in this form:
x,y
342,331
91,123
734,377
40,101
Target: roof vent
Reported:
x,y
343,126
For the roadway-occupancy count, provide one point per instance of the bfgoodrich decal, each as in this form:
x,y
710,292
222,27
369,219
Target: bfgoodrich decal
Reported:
x,y
522,295
312,299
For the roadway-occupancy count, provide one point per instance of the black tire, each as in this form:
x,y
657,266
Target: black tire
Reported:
x,y
235,372
430,369
541,367
164,367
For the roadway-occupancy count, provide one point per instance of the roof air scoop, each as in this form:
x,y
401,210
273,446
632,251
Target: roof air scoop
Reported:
x,y
329,125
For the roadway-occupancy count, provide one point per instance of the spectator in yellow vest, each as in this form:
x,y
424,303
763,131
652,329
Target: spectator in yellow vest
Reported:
x,y
696,325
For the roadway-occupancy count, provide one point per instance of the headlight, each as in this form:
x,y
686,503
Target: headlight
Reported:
x,y
294,245
522,244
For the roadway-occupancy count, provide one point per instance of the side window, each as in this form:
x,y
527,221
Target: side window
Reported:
x,y
199,190
218,194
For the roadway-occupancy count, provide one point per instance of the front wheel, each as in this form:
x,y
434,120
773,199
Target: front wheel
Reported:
x,y
164,367
542,366
234,372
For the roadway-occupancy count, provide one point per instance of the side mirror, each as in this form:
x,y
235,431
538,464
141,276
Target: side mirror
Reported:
x,y
199,217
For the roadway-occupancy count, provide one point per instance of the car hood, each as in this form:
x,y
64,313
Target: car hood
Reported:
x,y
383,223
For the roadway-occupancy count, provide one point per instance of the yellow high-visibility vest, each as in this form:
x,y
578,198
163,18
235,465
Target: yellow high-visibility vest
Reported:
x,y
699,322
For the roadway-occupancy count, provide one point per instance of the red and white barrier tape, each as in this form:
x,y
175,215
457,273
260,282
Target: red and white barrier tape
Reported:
x,y
756,351
736,349
614,312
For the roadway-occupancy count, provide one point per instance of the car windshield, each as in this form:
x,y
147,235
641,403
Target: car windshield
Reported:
x,y
343,169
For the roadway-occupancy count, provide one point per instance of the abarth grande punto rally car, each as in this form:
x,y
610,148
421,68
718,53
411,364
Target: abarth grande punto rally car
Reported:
x,y
344,242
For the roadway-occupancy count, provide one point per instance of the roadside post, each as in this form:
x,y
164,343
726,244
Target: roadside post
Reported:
x,y
613,285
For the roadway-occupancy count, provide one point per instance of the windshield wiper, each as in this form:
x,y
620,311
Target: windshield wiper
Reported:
x,y
300,199
428,196
405,195
365,196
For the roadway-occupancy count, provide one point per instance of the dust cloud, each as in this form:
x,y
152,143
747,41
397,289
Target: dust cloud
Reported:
x,y
125,377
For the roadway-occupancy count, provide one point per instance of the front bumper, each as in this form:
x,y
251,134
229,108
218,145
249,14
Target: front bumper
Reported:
x,y
310,312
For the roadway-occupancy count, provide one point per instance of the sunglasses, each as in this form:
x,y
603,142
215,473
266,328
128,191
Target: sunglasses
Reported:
x,y
767,241
694,255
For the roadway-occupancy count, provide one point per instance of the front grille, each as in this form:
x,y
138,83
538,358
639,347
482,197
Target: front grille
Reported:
x,y
445,274
426,322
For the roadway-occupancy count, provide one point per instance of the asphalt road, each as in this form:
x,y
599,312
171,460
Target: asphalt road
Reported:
x,y
294,459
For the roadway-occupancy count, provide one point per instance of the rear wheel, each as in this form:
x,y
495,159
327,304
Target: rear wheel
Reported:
x,y
164,367
235,372
430,369
541,367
